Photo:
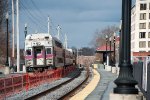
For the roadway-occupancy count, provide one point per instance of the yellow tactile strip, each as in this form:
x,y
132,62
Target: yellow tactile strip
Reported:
x,y
89,88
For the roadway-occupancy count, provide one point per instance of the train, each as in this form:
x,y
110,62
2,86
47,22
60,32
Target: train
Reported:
x,y
43,51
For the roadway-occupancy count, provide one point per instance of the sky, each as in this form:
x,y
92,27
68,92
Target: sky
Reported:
x,y
79,19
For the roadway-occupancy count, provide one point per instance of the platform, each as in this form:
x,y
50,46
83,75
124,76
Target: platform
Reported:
x,y
104,87
99,88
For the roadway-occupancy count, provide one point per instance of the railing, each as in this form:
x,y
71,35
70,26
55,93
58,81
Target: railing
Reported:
x,y
16,83
141,72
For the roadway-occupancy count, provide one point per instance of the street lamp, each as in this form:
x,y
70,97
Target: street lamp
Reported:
x,y
114,48
106,47
110,51
7,64
125,81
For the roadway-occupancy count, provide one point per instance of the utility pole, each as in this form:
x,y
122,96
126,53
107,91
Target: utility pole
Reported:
x,y
18,48
7,46
13,33
58,32
48,25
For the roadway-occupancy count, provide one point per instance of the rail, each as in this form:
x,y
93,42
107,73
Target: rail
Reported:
x,y
141,73
58,87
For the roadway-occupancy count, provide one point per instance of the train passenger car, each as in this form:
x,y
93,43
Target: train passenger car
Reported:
x,y
68,57
43,51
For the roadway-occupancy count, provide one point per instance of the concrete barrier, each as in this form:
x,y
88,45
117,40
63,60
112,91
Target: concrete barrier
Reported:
x,y
6,70
95,66
113,69
108,68
118,69
24,69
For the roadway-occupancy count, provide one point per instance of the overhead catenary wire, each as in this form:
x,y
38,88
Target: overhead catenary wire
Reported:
x,y
40,13
38,18
33,18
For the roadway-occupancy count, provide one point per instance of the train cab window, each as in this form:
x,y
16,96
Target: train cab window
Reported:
x,y
48,50
38,51
28,52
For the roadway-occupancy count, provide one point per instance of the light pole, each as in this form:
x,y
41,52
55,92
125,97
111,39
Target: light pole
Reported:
x,y
110,61
125,81
106,47
7,64
114,48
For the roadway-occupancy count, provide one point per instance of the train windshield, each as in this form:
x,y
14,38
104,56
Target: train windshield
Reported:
x,y
28,52
48,50
38,51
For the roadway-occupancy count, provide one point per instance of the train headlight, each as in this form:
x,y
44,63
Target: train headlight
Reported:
x,y
49,61
29,62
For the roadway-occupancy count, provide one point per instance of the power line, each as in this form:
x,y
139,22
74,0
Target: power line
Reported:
x,y
41,13
38,10
32,17
33,21
35,17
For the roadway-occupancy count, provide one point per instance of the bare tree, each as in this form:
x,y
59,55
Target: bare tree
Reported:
x,y
99,36
3,10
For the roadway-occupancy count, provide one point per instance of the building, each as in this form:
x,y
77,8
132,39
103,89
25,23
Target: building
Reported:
x,y
101,51
140,28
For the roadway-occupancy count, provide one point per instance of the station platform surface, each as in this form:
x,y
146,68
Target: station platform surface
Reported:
x,y
103,88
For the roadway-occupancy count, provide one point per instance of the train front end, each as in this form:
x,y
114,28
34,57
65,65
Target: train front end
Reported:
x,y
38,52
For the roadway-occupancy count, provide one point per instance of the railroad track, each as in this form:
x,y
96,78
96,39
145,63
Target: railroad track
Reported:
x,y
64,90
78,88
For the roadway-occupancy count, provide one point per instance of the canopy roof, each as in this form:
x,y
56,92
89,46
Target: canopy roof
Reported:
x,y
103,49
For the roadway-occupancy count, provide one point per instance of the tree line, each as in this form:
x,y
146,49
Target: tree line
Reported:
x,y
4,8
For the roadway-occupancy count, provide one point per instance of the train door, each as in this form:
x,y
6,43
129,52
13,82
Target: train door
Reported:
x,y
39,55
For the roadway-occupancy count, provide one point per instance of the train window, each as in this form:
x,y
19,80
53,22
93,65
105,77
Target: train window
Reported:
x,y
48,50
38,51
60,60
28,52
58,44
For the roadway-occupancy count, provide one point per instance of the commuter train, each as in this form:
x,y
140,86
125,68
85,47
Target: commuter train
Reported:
x,y
42,51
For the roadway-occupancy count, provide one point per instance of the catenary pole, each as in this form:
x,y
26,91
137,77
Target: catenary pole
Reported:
x,y
17,30
48,26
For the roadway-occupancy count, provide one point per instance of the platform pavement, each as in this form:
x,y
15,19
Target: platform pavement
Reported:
x,y
105,85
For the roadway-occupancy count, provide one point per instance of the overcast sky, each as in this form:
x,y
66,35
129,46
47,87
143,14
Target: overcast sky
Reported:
x,y
79,19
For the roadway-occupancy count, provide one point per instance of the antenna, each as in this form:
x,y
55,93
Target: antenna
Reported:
x,y
25,31
48,25
58,32
65,43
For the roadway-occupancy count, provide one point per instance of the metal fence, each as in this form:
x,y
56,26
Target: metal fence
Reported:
x,y
141,72
13,84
